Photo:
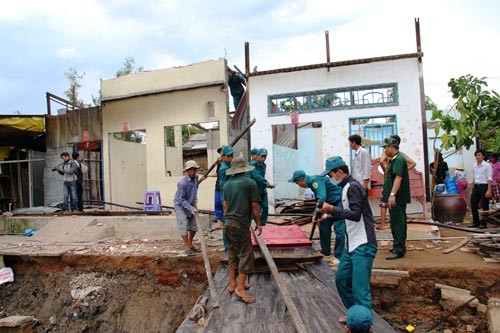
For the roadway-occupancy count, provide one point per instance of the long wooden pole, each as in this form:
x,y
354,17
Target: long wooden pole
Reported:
x,y
208,269
292,309
232,144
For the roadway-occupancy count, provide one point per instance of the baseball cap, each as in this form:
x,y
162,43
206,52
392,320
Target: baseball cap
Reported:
x,y
298,174
390,142
359,318
332,163
227,150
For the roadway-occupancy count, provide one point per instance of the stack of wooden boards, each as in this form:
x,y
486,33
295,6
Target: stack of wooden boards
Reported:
x,y
293,206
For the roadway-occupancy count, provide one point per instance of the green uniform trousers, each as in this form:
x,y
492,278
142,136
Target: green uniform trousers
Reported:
x,y
398,228
353,276
264,208
325,237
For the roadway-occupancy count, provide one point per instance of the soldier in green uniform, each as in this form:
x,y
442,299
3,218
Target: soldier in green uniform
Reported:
x,y
325,191
259,175
397,196
227,156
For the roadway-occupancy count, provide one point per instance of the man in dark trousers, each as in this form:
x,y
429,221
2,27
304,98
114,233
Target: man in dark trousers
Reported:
x,y
354,271
324,190
227,156
81,169
259,175
68,170
397,195
241,200
236,83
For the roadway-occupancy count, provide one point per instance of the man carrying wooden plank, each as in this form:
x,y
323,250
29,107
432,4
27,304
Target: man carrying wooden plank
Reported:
x,y
227,156
325,191
241,200
259,175
354,271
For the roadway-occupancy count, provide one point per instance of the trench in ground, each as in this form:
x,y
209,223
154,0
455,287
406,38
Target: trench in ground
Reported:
x,y
99,293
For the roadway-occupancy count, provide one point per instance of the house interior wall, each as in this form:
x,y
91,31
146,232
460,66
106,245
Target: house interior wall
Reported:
x,y
152,113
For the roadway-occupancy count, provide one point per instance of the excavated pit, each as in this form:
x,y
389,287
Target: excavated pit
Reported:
x,y
109,293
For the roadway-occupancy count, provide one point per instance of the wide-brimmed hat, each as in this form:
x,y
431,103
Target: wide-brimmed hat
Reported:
x,y
458,166
297,174
332,163
191,165
359,318
239,165
390,142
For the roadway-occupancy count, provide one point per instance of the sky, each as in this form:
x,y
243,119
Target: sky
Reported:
x,y
44,39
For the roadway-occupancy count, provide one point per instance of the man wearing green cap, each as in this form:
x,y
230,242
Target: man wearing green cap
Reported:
x,y
325,191
359,319
354,271
397,196
227,156
259,175
254,154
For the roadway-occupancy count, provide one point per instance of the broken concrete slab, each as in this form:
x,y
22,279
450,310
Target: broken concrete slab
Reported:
x,y
63,229
17,321
494,315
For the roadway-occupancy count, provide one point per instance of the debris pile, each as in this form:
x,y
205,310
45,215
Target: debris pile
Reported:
x,y
294,206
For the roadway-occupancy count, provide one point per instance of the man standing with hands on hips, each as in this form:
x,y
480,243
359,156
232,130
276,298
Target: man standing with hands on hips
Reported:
x,y
397,195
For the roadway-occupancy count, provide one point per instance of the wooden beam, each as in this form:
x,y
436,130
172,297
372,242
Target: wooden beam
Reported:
x,y
292,309
208,269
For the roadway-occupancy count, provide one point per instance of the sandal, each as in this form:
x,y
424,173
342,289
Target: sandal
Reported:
x,y
245,299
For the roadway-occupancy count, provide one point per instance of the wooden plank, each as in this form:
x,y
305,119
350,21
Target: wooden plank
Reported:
x,y
292,309
208,269
322,272
457,246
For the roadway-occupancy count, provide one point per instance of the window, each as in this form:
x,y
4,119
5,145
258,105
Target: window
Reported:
x,y
373,131
197,142
333,99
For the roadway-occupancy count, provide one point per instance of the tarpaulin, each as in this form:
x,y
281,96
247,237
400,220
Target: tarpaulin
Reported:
x,y
32,124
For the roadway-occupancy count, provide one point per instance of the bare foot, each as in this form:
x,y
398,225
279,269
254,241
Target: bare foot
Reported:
x,y
244,297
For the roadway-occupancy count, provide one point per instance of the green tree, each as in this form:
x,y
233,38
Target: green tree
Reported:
x,y
128,67
475,114
75,80
475,108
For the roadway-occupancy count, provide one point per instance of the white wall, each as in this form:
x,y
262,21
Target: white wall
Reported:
x,y
335,124
155,111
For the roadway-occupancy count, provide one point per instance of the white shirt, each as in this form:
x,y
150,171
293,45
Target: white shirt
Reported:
x,y
362,165
482,173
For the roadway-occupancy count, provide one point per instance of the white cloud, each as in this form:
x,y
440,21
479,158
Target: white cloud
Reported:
x,y
68,53
163,60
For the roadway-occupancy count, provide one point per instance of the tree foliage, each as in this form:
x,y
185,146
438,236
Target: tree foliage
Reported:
x,y
75,83
476,113
128,67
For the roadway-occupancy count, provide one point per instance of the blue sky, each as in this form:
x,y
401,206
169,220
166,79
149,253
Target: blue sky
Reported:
x,y
43,39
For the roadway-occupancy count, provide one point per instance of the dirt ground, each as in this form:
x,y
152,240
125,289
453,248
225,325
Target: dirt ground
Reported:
x,y
149,286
